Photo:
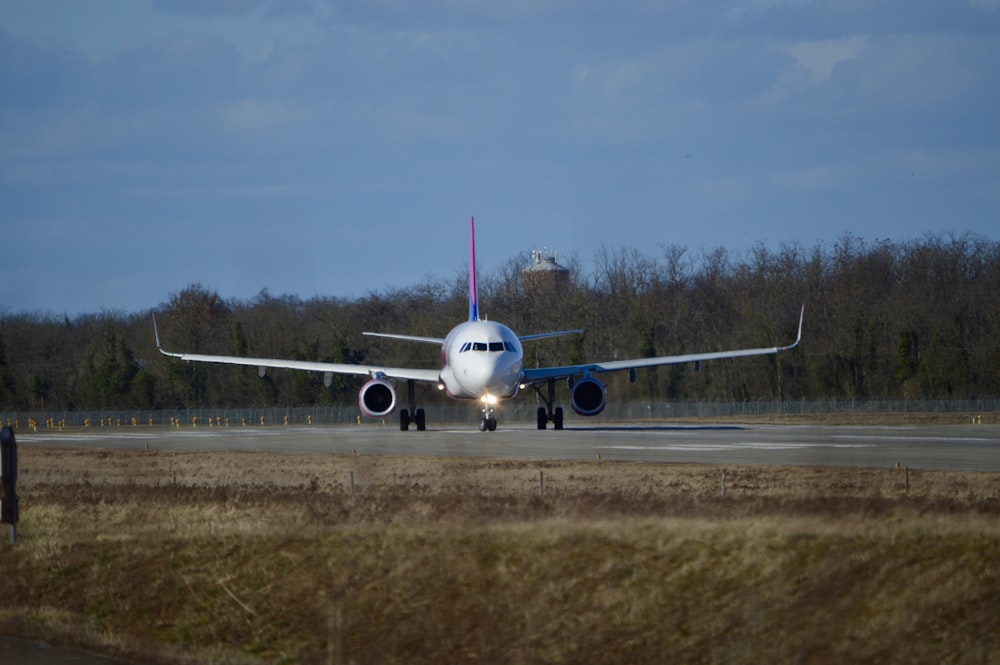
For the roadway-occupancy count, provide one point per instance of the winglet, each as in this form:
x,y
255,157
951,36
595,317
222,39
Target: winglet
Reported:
x,y
156,333
159,346
473,301
798,337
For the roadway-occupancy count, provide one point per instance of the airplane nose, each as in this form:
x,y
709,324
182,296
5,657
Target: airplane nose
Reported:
x,y
497,376
504,374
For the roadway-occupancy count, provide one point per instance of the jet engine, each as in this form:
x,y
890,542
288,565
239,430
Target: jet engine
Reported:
x,y
588,396
377,398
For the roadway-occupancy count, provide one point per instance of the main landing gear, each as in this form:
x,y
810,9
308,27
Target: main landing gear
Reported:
x,y
419,418
546,414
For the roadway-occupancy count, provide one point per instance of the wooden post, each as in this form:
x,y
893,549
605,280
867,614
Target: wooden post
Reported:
x,y
8,475
335,625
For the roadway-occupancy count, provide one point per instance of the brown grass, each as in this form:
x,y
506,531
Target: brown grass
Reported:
x,y
181,557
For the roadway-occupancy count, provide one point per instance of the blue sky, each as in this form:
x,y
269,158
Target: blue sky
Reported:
x,y
329,148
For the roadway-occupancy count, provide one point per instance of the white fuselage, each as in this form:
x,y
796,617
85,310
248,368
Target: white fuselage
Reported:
x,y
481,359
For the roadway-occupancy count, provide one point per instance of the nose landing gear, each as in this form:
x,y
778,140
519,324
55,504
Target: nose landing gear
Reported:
x,y
488,422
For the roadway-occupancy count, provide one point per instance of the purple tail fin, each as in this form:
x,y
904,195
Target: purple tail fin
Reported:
x,y
473,302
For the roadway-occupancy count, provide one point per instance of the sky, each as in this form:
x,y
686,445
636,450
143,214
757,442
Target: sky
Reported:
x,y
338,148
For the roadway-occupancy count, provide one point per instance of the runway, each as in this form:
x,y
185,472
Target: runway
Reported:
x,y
950,447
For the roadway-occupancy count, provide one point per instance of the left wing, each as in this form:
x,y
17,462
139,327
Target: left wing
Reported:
x,y
547,373
429,375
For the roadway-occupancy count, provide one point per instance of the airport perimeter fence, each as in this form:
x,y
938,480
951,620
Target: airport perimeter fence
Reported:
x,y
517,411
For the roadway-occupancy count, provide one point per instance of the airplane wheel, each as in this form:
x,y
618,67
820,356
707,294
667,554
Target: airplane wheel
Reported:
x,y
542,417
421,420
558,418
404,420
491,424
483,425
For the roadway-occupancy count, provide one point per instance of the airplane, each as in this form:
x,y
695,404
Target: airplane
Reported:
x,y
481,360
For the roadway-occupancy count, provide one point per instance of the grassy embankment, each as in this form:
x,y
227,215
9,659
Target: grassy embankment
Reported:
x,y
244,557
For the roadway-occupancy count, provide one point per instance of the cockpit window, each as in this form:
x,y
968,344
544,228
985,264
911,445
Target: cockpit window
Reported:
x,y
486,346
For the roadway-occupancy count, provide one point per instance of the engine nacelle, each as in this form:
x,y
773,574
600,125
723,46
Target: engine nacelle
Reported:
x,y
377,398
588,396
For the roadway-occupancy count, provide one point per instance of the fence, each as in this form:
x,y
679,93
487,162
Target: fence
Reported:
x,y
516,411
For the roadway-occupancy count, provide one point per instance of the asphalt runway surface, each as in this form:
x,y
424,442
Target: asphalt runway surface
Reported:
x,y
14,651
938,447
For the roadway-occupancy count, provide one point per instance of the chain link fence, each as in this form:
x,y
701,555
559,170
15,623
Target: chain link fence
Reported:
x,y
516,411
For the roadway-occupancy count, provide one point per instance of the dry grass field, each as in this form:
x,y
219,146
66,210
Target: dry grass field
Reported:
x,y
208,557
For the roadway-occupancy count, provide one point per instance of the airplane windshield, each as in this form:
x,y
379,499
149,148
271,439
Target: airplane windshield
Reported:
x,y
486,346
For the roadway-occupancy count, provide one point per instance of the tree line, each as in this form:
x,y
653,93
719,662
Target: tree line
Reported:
x,y
883,320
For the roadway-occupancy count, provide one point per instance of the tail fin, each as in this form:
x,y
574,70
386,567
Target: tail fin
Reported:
x,y
473,300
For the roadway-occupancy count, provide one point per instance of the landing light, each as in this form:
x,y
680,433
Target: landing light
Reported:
x,y
488,399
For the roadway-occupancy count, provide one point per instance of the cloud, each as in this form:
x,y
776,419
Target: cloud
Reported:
x,y
612,82
813,178
207,8
746,8
812,64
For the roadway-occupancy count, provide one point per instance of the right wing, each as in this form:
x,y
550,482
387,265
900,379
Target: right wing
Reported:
x,y
547,373
428,375
525,338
